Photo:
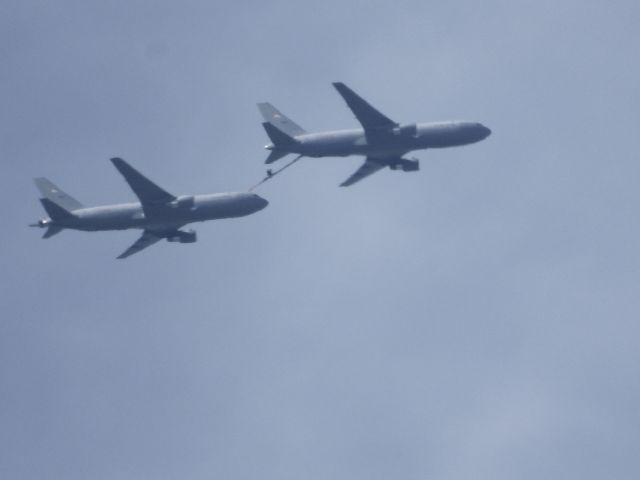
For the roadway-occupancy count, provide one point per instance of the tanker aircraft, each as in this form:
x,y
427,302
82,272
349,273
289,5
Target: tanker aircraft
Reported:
x,y
381,140
158,213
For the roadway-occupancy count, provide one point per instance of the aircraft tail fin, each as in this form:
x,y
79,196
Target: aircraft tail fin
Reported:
x,y
50,191
277,136
55,211
273,116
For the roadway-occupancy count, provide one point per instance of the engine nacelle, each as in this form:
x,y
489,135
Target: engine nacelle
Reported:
x,y
186,202
406,165
181,236
407,130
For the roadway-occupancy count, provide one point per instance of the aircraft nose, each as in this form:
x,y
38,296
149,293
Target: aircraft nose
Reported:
x,y
486,131
261,202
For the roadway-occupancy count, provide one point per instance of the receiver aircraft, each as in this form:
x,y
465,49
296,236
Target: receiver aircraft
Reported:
x,y
158,213
381,140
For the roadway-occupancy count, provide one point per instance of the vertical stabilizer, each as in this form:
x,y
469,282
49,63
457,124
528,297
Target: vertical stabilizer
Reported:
x,y
283,123
278,137
55,211
51,192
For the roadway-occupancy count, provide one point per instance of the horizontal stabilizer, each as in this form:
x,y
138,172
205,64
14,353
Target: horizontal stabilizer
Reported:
x,y
369,117
277,136
49,190
273,116
51,231
275,155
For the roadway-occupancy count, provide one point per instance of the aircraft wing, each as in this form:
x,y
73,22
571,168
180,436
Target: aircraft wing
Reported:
x,y
150,195
369,117
369,167
147,239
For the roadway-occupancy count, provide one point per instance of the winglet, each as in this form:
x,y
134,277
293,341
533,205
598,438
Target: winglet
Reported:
x,y
369,117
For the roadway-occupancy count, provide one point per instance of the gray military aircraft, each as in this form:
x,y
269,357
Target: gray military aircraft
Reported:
x,y
381,140
159,214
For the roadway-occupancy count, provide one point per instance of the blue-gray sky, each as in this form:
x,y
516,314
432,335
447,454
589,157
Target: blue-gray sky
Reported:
x,y
476,320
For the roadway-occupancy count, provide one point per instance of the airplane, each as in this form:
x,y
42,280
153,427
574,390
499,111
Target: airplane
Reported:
x,y
158,213
381,140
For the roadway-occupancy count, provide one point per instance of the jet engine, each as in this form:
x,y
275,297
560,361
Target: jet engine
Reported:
x,y
406,165
181,236
185,202
407,130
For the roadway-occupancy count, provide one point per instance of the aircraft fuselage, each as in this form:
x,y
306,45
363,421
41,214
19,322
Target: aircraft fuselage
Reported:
x,y
185,209
388,143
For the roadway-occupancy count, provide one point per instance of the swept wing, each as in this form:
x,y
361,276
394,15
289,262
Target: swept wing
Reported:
x,y
147,239
369,167
370,118
151,196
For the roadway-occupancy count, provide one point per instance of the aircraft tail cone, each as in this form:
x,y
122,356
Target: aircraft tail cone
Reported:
x,y
41,223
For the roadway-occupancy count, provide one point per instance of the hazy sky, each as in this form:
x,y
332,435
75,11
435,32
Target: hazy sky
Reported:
x,y
475,320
